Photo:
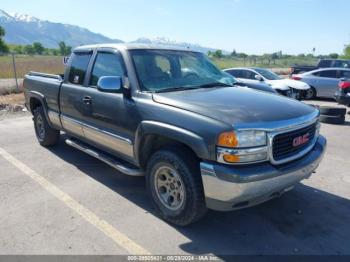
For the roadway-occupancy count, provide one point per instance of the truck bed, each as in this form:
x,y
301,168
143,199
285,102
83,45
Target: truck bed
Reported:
x,y
36,83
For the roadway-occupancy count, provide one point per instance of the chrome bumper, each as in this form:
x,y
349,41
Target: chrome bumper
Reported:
x,y
233,187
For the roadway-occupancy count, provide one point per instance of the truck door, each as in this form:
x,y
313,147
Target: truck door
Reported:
x,y
72,104
107,121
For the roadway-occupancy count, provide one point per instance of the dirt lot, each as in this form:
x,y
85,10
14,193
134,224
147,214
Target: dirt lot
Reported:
x,y
61,201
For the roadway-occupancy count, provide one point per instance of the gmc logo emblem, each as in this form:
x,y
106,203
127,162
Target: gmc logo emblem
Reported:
x,y
300,140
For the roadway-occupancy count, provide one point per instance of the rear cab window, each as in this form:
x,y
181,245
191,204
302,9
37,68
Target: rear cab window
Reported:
x,y
78,67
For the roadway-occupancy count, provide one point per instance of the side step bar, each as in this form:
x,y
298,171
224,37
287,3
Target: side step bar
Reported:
x,y
105,158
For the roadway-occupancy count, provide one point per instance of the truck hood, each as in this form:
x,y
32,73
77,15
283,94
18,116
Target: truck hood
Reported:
x,y
284,84
235,105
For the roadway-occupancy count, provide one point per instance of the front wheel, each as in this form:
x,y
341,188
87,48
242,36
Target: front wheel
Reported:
x,y
175,186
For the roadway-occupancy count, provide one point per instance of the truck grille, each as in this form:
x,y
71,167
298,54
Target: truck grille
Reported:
x,y
288,144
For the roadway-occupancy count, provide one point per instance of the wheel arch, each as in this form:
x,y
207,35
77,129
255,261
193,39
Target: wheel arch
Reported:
x,y
151,136
36,100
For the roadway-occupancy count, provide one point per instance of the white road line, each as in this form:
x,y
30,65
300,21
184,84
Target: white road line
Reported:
x,y
111,232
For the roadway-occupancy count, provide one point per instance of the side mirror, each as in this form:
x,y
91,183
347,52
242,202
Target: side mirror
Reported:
x,y
110,84
259,78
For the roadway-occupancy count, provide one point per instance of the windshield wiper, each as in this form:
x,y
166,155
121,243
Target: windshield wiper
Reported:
x,y
215,84
183,88
180,88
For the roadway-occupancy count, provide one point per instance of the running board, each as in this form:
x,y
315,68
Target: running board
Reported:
x,y
105,158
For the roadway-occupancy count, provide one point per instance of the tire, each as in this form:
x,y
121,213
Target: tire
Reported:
x,y
332,111
179,168
310,93
336,120
46,135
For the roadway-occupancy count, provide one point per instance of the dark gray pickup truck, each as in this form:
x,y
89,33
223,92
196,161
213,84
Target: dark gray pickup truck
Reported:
x,y
171,115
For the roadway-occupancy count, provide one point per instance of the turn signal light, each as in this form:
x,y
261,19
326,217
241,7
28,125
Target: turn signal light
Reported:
x,y
228,139
231,158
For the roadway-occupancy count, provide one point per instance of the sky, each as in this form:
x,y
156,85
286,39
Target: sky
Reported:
x,y
250,26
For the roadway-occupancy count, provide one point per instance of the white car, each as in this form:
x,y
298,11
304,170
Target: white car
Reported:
x,y
286,87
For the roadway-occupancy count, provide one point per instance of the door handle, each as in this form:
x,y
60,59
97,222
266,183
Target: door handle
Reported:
x,y
87,100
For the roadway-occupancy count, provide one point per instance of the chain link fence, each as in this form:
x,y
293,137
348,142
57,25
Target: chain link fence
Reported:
x,y
13,68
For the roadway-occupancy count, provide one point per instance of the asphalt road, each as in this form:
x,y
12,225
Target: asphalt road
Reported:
x,y
61,201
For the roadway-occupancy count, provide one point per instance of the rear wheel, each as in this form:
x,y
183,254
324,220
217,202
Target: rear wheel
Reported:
x,y
46,135
310,93
175,186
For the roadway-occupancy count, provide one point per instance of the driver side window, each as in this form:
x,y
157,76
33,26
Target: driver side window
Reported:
x,y
106,64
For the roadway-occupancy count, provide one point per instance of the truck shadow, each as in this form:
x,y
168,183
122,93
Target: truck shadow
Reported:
x,y
303,221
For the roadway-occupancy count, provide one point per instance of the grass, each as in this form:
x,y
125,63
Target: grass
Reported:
x,y
24,64
54,65
12,99
282,64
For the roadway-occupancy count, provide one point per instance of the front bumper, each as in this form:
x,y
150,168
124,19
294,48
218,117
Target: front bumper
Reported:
x,y
342,98
233,187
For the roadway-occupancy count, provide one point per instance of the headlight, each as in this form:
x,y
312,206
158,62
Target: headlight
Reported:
x,y
248,138
318,127
242,147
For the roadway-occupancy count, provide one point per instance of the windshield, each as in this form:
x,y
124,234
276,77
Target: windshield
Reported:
x,y
168,70
267,74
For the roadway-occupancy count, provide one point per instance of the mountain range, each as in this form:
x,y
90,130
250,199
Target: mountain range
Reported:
x,y
25,29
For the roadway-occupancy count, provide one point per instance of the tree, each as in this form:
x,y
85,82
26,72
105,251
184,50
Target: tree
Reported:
x,y
274,56
2,32
3,47
64,49
267,57
234,53
18,49
242,55
62,46
347,51
29,50
218,54
38,48
253,59
333,55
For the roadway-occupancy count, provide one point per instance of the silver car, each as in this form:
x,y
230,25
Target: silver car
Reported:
x,y
323,82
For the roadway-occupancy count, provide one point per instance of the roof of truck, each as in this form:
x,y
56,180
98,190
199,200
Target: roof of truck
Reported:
x,y
127,46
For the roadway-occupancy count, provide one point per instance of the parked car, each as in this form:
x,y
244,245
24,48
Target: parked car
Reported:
x,y
286,87
200,142
256,86
323,82
322,63
342,95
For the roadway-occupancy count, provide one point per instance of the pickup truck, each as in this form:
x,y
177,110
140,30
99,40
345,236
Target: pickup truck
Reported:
x,y
170,115
322,63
